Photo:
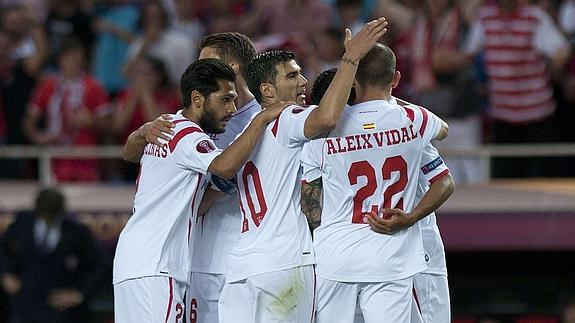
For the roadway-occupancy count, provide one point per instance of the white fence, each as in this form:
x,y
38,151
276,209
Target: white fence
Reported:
x,y
485,153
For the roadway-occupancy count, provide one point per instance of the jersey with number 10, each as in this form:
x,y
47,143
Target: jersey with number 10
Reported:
x,y
274,232
371,160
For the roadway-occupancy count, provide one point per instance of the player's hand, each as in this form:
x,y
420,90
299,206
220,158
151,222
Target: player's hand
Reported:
x,y
159,131
389,221
356,47
65,298
11,284
271,112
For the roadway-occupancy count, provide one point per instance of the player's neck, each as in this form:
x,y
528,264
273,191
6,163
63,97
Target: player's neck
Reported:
x,y
244,94
370,94
190,116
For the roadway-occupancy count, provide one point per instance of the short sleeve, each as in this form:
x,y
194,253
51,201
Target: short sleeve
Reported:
x,y
311,161
288,128
195,151
548,39
428,124
432,165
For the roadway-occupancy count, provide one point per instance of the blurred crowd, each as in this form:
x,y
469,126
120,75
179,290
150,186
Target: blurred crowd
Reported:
x,y
89,72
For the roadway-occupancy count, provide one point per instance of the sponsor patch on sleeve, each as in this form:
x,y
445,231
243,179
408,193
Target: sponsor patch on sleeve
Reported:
x,y
432,165
205,146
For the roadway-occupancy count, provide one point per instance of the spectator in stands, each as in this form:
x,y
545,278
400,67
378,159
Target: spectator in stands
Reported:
x,y
149,95
437,75
516,38
74,106
158,40
17,79
65,20
115,29
49,264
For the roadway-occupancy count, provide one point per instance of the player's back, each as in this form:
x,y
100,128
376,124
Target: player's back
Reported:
x,y
367,162
274,233
168,191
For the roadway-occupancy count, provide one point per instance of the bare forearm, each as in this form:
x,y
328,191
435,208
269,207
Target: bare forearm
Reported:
x,y
439,191
134,147
233,158
311,194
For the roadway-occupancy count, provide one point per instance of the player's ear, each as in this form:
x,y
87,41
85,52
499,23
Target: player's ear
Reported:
x,y
395,80
267,90
197,99
235,66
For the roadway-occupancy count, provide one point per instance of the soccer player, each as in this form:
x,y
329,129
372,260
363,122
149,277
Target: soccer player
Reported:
x,y
270,270
217,230
371,161
430,286
152,262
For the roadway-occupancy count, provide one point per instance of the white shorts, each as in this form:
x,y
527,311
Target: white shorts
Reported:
x,y
149,299
432,295
281,296
202,297
415,313
379,302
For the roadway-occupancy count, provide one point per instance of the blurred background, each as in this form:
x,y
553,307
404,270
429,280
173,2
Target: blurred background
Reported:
x,y
77,76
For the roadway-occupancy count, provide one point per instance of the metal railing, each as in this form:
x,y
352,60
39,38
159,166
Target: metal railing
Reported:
x,y
485,153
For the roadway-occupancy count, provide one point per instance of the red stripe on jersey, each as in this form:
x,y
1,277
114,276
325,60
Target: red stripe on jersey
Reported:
x,y
543,88
438,176
410,113
424,123
170,301
275,127
181,134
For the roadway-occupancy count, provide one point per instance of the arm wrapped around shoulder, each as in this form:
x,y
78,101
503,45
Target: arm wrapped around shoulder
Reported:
x,y
228,186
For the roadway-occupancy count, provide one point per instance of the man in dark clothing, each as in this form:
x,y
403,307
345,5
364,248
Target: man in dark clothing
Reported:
x,y
49,264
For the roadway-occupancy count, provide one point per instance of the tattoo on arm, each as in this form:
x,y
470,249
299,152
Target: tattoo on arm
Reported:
x,y
311,198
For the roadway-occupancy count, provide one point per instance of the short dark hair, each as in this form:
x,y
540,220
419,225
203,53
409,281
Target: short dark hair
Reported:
x,y
262,69
202,76
377,67
230,46
348,3
50,202
321,85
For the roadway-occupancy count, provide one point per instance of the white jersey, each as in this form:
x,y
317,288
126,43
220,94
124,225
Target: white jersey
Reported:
x,y
216,232
274,232
155,241
432,168
368,162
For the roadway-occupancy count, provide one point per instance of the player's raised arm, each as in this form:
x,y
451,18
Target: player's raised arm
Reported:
x,y
326,115
233,158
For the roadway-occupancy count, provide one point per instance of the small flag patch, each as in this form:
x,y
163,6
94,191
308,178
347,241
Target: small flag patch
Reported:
x,y
369,126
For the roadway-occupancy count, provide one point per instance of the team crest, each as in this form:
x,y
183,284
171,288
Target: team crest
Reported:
x,y
205,146
297,110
